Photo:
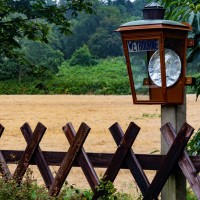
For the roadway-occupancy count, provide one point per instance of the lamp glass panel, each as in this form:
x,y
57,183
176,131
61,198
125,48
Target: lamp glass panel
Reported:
x,y
140,52
172,65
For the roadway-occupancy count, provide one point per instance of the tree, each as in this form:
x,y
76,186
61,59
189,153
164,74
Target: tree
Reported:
x,y
97,30
83,27
187,11
105,42
31,18
82,57
13,68
35,59
44,60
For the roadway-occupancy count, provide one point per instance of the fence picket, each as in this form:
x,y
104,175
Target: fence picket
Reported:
x,y
28,153
184,162
82,158
6,174
68,160
119,156
38,157
131,160
169,162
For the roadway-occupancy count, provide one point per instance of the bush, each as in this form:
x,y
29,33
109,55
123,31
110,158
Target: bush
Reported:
x,y
28,189
193,146
109,76
191,195
82,57
10,190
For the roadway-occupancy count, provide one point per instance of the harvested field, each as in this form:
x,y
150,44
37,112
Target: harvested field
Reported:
x,y
99,112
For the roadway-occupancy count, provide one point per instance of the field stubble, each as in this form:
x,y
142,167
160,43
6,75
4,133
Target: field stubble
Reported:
x,y
99,112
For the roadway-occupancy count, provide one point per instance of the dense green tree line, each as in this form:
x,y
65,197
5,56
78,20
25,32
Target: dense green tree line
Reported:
x,y
36,44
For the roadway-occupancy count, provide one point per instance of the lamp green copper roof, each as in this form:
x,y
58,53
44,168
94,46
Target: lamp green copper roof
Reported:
x,y
152,22
153,5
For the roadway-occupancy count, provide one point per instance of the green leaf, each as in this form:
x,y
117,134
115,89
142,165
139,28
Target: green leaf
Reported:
x,y
193,54
197,93
198,20
191,18
178,15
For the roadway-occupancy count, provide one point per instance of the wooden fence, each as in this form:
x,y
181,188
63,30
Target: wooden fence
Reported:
x,y
123,158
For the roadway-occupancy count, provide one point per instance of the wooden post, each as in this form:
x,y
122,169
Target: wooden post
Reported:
x,y
175,187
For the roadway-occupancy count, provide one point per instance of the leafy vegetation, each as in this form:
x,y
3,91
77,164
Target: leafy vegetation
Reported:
x,y
110,192
28,189
107,77
193,146
197,85
191,195
82,57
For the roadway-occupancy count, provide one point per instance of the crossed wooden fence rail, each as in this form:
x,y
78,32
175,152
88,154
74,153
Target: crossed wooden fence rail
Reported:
x,y
123,158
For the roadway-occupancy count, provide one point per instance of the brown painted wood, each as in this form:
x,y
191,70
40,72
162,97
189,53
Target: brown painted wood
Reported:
x,y
184,162
122,150
6,174
99,160
38,157
28,153
68,160
119,156
82,158
169,162
131,160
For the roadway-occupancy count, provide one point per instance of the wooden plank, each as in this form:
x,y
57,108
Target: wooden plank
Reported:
x,y
68,160
82,158
169,162
28,153
38,157
122,150
131,160
99,160
184,162
6,174
119,156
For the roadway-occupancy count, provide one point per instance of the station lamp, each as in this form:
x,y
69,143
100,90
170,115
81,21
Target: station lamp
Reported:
x,y
155,52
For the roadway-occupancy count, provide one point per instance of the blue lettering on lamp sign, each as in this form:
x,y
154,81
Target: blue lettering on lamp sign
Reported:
x,y
142,45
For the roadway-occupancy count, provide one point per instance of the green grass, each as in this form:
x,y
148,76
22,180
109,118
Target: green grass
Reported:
x,y
148,115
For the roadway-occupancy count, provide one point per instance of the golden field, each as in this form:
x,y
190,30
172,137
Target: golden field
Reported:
x,y
99,112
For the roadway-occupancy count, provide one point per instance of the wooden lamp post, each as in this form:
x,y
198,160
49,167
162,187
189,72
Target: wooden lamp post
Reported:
x,y
155,52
